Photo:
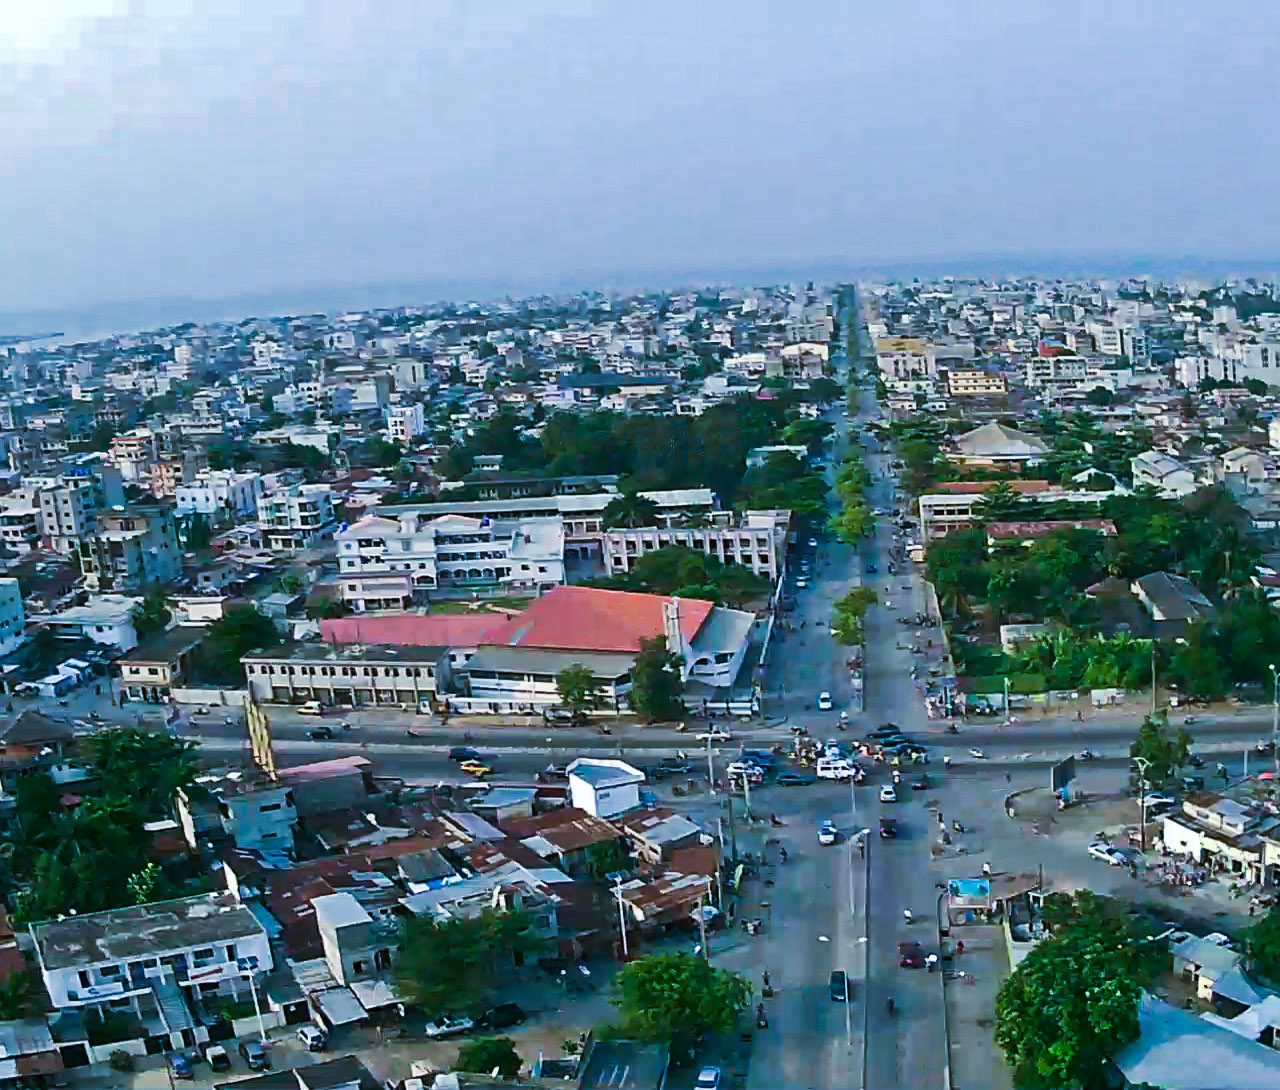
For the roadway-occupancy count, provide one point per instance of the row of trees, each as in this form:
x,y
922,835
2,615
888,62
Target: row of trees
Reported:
x,y
847,614
680,571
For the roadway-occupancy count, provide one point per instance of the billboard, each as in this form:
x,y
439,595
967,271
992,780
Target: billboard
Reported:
x,y
1061,774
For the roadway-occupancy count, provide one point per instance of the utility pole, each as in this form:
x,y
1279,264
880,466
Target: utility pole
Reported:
x,y
1275,717
733,831
622,916
702,928
746,794
1008,712
711,768
1153,677
1143,764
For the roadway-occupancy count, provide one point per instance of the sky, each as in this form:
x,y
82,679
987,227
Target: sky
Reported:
x,y
173,149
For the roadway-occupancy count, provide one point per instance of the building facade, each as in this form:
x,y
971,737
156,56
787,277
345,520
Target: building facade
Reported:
x,y
130,549
758,542
296,517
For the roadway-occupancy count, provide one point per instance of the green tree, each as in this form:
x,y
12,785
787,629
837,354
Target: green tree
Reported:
x,y
1073,1001
290,582
198,532
152,614
629,510
1197,667
1262,946
486,1055
607,857
853,521
450,966
847,614
578,690
140,768
1162,751
656,681
676,998
999,503
15,996
144,884
1256,387
239,630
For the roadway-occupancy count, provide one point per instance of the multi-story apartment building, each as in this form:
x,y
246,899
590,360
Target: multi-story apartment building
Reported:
x,y
976,384
757,542
68,509
1056,374
13,617
453,550
130,549
19,525
405,423
133,453
297,516
210,945
221,494
904,359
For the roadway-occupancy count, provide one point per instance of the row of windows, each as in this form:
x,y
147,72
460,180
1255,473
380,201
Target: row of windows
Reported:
x,y
340,671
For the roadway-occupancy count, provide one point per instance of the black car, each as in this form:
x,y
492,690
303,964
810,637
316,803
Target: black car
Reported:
x,y
320,734
888,828
502,1016
463,753
674,766
795,779
888,729
838,986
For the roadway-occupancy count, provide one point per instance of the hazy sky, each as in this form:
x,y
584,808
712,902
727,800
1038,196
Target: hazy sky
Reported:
x,y
215,147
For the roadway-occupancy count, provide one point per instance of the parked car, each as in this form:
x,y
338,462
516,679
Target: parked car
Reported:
x,y
218,1057
311,707
708,1079
255,1055
1106,853
674,766
715,734
180,1065
888,828
838,986
312,1037
447,1027
502,1016
320,734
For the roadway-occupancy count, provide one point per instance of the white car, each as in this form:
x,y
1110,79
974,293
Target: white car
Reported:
x,y
813,543
715,734
802,583
888,793
1156,799
828,834
824,702
708,1079
1106,853
447,1027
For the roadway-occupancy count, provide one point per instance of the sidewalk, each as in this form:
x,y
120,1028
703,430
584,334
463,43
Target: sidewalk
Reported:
x,y
975,1060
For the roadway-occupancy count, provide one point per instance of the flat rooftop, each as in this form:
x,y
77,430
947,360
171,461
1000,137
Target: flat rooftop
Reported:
x,y
319,651
142,931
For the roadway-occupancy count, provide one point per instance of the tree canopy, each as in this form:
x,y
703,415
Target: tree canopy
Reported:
x,y
656,682
485,1055
1161,750
578,690
689,573
152,614
239,630
675,998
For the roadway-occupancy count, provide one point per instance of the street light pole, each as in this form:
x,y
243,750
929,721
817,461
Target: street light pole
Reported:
x,y
1153,677
711,768
1143,764
622,916
1275,716
1008,713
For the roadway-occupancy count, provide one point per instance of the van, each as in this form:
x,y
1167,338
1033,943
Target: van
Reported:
x,y
311,707
834,768
217,1057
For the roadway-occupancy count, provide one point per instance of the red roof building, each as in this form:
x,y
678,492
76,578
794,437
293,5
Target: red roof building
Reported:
x,y
589,619
414,630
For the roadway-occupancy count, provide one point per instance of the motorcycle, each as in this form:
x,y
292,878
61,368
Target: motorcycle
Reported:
x,y
762,1019
977,754
1087,755
952,729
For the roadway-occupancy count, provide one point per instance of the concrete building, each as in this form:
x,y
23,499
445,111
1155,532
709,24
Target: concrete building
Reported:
x,y
758,542
453,550
13,618
151,670
1173,479
209,946
904,360
247,809
104,618
976,384
19,526
220,494
357,948
997,445
604,788
1056,374
68,509
405,423
130,549
296,517
351,675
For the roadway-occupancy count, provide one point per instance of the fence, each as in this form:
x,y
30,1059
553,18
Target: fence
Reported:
x,y
227,698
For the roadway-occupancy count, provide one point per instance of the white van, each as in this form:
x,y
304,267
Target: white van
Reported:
x,y
311,707
834,768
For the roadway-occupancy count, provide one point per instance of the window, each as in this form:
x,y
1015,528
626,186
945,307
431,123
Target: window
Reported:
x,y
203,955
270,807
109,970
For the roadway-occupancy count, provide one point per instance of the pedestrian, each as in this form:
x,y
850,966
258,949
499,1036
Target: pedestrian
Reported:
x,y
960,948
1008,777
986,870
1252,908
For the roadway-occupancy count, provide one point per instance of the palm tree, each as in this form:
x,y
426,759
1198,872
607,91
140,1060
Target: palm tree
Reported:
x,y
629,511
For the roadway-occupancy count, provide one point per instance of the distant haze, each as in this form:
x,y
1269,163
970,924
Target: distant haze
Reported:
x,y
302,151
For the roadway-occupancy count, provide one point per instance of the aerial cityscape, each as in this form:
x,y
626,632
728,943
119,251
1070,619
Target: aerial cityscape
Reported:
x,y
546,546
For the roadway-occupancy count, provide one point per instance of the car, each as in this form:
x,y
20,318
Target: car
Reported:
x,y
554,773
828,834
921,782
476,768
463,753
708,1079
715,734
888,828
560,715
1195,760
838,986
1193,783
447,1027
320,734
910,955
802,583
180,1065
886,731
795,779
502,1016
824,702
1106,853
761,757
1156,798
1218,939
218,1057
310,707
872,569
674,766
312,1037
255,1055
888,793
813,543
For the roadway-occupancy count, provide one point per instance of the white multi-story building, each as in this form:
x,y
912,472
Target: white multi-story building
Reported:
x,y
210,944
405,423
758,542
453,550
13,618
904,360
220,493
296,517
1057,373
19,525
68,510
